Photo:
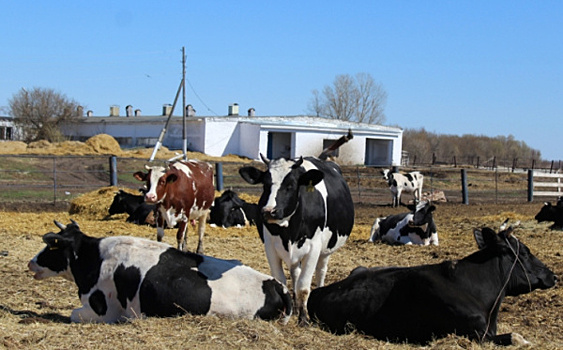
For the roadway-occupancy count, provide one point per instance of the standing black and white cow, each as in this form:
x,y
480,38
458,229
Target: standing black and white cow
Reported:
x,y
550,212
422,303
414,227
230,210
308,214
125,277
398,183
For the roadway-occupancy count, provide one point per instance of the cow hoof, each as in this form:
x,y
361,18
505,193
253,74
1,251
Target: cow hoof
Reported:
x,y
517,339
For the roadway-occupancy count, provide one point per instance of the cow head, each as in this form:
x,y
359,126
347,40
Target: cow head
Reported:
x,y
55,258
152,178
223,207
422,223
526,271
283,182
386,173
117,205
546,213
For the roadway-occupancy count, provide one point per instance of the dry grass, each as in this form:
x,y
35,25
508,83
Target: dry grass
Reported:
x,y
35,314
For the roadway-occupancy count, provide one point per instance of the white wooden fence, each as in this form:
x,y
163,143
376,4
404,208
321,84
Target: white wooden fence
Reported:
x,y
550,185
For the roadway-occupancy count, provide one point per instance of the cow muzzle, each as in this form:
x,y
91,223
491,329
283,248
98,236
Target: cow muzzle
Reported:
x,y
150,198
271,215
36,269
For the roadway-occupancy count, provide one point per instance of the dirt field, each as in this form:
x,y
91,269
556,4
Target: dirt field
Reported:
x,y
35,314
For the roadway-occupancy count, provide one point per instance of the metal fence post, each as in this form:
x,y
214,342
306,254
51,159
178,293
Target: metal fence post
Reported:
x,y
464,195
219,176
113,171
530,185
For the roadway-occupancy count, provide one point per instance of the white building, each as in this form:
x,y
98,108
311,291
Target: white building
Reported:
x,y
249,136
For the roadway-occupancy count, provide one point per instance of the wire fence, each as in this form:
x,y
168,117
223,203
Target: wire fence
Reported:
x,y
56,179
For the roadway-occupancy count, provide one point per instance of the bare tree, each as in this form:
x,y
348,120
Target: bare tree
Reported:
x,y
357,98
40,113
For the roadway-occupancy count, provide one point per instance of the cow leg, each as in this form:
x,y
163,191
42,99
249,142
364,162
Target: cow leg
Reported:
x,y
159,226
303,286
85,314
181,235
200,232
398,198
509,339
321,269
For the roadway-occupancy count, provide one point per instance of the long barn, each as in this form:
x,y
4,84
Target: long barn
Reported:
x,y
248,136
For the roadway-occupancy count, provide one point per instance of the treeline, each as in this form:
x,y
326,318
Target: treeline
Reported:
x,y
425,147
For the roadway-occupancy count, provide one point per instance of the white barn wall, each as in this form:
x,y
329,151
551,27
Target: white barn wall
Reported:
x,y
249,140
194,134
221,137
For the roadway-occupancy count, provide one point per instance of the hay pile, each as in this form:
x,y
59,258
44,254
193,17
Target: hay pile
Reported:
x,y
94,204
104,144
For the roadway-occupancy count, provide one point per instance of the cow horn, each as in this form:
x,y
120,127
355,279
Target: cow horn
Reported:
x,y
147,167
265,159
74,222
59,225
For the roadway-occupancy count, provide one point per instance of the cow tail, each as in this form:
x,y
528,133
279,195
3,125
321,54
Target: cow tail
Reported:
x,y
374,234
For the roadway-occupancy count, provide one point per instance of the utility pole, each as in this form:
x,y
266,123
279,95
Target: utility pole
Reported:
x,y
184,137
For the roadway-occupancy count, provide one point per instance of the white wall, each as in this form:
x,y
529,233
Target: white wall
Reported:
x,y
221,137
250,140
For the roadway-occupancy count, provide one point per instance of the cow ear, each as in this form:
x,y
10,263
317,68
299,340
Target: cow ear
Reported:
x,y
139,175
431,208
251,175
171,178
311,178
485,237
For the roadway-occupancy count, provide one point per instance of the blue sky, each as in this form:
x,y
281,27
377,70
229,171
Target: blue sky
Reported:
x,y
454,67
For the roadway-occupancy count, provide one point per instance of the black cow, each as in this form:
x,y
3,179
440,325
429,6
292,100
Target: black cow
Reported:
x,y
418,304
125,277
140,213
307,215
230,210
553,213
415,227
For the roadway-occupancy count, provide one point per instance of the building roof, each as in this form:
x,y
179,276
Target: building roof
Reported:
x,y
302,122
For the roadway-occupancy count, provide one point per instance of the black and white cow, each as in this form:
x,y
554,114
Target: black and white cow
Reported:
x,y
125,277
230,210
399,183
422,303
140,213
308,214
553,213
414,227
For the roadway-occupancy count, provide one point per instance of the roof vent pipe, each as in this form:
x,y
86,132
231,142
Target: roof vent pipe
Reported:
x,y
233,109
114,111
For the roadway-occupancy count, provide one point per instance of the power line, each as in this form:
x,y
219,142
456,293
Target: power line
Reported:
x,y
199,98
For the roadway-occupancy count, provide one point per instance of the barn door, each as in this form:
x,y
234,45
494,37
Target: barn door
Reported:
x,y
279,145
378,152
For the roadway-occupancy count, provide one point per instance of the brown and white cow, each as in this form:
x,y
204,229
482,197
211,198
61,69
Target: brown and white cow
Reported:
x,y
182,193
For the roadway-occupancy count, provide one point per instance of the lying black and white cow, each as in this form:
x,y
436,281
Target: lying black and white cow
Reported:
x,y
421,303
414,227
140,213
230,210
553,213
308,214
125,277
399,183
